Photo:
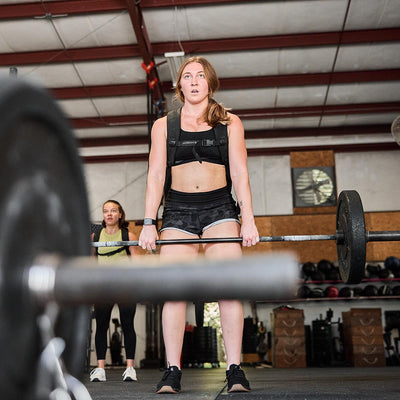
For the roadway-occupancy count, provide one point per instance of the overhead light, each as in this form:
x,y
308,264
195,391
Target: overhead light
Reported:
x,y
50,16
174,60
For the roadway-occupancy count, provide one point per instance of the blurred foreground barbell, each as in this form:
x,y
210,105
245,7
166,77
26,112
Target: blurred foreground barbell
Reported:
x,y
47,277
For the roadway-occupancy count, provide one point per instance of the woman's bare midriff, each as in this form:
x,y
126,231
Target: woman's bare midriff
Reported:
x,y
195,177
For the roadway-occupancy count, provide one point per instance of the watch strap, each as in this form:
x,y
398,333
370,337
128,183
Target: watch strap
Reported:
x,y
149,221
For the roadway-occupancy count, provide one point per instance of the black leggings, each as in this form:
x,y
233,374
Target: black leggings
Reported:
x,y
102,314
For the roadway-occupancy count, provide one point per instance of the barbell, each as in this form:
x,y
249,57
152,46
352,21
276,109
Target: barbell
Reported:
x,y
351,238
48,278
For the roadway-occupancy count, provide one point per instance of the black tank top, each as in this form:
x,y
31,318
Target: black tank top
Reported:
x,y
197,152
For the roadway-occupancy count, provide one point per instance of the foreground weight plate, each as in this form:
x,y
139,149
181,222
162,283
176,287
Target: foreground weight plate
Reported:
x,y
43,208
352,249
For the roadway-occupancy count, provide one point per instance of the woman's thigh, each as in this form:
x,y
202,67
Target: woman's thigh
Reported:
x,y
178,250
223,250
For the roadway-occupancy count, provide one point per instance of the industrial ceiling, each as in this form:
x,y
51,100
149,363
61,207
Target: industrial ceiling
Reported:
x,y
302,75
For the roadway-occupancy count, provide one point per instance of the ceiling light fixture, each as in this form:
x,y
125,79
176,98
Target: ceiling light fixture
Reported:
x,y
50,16
174,60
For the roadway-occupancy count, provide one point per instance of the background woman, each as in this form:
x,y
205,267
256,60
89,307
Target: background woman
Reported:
x,y
114,229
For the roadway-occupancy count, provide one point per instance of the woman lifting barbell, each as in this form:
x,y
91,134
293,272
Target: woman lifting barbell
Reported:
x,y
199,203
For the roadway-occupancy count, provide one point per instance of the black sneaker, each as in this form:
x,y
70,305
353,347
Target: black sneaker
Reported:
x,y
237,381
171,381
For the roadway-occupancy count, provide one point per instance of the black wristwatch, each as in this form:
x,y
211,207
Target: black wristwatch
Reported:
x,y
149,221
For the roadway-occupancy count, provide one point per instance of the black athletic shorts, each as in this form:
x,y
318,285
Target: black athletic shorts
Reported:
x,y
193,213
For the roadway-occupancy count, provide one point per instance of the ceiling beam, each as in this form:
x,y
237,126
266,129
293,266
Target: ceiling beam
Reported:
x,y
321,131
338,148
254,82
113,141
282,41
320,110
101,122
139,26
81,92
202,46
174,3
324,78
72,7
262,113
252,134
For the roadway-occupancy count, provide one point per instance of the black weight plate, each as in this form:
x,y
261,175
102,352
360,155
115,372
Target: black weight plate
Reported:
x,y
352,252
43,209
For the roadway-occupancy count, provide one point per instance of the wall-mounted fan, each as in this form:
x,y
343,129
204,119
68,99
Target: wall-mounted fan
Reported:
x,y
396,129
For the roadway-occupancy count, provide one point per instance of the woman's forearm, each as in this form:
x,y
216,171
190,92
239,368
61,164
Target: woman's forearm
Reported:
x,y
154,192
241,186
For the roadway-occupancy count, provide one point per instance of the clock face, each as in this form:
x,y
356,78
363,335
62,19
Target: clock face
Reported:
x,y
314,187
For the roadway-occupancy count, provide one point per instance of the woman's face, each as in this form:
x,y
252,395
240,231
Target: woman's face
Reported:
x,y
111,214
194,85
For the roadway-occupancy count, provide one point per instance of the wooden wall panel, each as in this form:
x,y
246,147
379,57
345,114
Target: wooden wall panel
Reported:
x,y
321,224
300,159
382,221
314,210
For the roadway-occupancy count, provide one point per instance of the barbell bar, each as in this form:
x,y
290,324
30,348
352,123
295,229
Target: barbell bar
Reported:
x,y
351,238
382,236
371,236
287,238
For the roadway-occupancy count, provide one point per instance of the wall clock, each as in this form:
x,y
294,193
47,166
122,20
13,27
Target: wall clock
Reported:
x,y
314,186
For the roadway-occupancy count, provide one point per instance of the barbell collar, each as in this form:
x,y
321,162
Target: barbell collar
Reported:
x,y
83,281
340,238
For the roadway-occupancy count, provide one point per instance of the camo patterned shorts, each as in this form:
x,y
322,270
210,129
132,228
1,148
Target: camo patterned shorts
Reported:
x,y
193,213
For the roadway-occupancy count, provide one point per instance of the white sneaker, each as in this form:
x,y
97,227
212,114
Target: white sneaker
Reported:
x,y
129,374
98,375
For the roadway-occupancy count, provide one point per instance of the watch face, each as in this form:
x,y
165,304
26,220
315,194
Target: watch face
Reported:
x,y
314,187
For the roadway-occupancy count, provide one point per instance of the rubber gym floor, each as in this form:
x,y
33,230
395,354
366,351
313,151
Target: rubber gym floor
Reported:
x,y
342,383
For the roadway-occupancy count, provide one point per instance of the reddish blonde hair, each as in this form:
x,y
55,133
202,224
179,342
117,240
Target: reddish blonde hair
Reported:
x,y
215,113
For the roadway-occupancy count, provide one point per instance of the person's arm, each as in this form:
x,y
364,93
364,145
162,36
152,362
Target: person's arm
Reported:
x,y
93,248
155,182
240,180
